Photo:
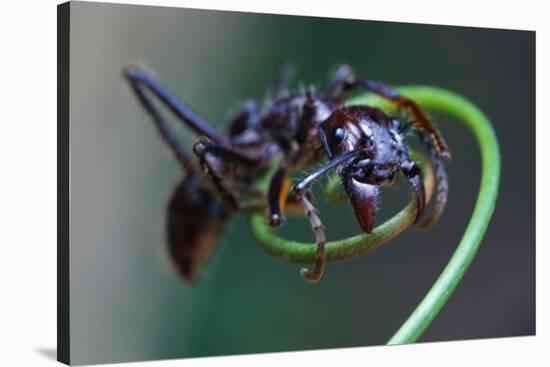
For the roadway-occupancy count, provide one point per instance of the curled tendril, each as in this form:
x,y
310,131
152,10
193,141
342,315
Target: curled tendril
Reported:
x,y
436,100
337,250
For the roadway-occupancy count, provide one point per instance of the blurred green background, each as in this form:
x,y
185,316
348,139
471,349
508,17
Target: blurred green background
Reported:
x,y
126,305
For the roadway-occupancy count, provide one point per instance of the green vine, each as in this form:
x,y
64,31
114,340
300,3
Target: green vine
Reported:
x,y
431,99
336,250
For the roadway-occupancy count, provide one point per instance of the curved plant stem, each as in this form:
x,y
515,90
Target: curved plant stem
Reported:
x,y
456,106
337,250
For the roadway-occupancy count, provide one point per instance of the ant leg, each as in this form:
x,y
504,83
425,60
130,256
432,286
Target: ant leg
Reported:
x,y
168,135
293,206
226,155
442,184
279,86
278,193
303,195
320,239
140,80
420,120
244,121
335,87
202,147
279,198
412,171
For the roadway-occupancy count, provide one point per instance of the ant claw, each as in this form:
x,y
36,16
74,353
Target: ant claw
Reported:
x,y
275,220
310,276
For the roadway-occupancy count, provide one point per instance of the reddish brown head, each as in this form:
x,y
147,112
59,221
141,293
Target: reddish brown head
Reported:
x,y
379,149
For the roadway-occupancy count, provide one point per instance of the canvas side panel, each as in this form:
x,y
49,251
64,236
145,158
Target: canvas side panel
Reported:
x,y
63,309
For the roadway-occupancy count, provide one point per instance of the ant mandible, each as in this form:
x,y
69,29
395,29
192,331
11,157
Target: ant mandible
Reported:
x,y
293,131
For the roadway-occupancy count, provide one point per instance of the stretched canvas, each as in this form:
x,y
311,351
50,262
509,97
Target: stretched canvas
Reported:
x,y
204,157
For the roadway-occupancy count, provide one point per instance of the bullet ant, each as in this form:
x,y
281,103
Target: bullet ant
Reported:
x,y
293,131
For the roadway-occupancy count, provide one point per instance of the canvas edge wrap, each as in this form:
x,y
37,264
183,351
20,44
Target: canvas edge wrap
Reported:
x,y
63,299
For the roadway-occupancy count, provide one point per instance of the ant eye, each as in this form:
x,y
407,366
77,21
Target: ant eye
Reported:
x,y
338,134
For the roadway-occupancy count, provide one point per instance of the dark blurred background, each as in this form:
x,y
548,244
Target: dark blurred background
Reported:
x,y
127,305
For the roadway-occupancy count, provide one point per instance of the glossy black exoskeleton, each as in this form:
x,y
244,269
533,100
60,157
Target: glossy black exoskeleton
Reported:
x,y
291,131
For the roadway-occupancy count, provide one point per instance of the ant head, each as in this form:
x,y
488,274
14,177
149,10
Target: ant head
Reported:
x,y
347,129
